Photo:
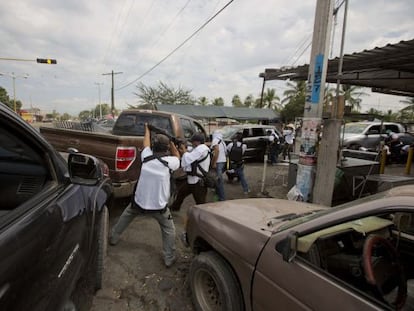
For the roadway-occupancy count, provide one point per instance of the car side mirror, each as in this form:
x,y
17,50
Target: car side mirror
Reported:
x,y
288,246
84,169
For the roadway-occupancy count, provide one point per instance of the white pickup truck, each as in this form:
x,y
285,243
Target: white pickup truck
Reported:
x,y
369,134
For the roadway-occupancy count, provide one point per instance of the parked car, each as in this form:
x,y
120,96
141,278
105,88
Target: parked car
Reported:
x,y
273,254
53,221
254,136
369,134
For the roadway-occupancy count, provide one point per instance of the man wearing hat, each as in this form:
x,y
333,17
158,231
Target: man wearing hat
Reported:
x,y
153,191
289,138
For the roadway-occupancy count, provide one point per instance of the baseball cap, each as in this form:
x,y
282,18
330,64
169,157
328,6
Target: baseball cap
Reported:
x,y
197,137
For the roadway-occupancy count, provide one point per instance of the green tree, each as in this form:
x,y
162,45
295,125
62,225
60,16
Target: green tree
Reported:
x,y
84,115
219,101
163,94
9,102
271,100
66,116
407,113
236,101
249,101
106,109
202,101
352,94
294,101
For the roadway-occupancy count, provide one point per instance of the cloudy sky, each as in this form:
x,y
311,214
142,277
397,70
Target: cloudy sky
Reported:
x,y
145,41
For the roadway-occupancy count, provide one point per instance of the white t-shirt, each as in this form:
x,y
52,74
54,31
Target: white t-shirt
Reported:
x,y
198,153
153,189
230,145
222,149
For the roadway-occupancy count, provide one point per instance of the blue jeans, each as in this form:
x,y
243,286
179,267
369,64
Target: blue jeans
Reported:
x,y
220,181
240,173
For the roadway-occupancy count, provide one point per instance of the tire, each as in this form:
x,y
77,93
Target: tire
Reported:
x,y
103,234
213,284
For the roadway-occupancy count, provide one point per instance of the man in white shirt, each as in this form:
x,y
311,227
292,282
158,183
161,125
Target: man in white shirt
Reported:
x,y
219,161
200,154
153,191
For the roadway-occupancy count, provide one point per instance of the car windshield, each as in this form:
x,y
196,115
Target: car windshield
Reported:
x,y
291,222
229,131
354,128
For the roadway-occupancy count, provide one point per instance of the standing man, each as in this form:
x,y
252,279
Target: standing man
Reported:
x,y
200,154
235,150
274,146
219,161
289,137
153,191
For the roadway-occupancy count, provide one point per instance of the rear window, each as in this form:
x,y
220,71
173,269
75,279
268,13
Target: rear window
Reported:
x,y
132,124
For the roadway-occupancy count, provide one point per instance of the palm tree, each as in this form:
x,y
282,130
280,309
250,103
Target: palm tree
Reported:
x,y
202,101
271,100
236,101
249,101
219,101
294,100
352,94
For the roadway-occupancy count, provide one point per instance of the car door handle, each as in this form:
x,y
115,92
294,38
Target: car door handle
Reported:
x,y
4,289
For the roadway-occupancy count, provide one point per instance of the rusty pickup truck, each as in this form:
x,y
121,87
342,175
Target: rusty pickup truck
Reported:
x,y
120,148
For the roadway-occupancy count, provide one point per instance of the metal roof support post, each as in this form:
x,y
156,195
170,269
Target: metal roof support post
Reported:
x,y
311,127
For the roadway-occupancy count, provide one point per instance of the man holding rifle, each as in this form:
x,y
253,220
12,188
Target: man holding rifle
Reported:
x,y
159,158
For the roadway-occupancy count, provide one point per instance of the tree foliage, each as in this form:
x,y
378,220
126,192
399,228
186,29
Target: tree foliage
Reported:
x,y
219,101
163,94
294,101
236,101
352,94
202,101
9,102
271,100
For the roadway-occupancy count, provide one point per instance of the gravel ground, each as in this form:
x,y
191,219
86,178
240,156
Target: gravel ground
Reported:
x,y
135,277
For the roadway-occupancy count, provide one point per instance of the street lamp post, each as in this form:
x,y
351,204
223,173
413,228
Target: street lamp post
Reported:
x,y
14,77
99,95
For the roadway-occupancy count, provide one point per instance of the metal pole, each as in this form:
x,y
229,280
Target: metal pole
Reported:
x,y
112,73
99,97
14,92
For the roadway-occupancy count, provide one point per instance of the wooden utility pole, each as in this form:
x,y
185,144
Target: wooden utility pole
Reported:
x,y
112,91
311,126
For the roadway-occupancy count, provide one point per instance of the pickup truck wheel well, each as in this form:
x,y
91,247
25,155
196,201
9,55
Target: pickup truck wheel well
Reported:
x,y
214,283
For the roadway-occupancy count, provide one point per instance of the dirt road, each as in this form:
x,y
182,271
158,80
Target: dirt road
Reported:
x,y
135,276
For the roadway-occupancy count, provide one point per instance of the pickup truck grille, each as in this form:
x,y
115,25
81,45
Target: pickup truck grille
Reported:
x,y
125,156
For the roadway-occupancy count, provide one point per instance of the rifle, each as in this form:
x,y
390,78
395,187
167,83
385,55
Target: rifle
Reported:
x,y
177,141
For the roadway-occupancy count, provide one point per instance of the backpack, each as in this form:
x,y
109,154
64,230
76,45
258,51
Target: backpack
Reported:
x,y
173,187
207,178
236,153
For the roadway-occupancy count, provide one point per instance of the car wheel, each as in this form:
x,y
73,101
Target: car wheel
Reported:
x,y
103,233
213,284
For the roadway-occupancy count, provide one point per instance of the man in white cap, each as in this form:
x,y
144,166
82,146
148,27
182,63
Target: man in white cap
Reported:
x,y
219,161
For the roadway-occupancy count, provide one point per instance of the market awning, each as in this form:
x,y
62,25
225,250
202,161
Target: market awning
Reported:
x,y
388,69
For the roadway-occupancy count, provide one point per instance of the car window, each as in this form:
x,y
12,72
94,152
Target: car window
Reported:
x,y
134,124
392,127
370,254
257,132
246,133
188,130
24,168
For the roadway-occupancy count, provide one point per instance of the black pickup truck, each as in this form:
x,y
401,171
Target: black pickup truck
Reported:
x,y
53,221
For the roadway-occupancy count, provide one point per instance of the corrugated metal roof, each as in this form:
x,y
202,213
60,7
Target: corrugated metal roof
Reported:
x,y
209,112
388,69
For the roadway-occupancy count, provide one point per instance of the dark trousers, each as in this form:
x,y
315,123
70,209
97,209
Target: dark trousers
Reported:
x,y
184,189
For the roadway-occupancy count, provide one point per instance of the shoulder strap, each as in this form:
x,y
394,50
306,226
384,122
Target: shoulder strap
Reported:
x,y
152,157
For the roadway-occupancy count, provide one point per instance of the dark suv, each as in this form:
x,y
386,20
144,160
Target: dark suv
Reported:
x,y
254,136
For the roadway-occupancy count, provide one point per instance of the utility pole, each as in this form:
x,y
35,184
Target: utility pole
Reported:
x,y
311,127
112,73
99,97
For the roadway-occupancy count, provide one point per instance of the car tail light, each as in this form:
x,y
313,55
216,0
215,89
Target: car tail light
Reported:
x,y
125,156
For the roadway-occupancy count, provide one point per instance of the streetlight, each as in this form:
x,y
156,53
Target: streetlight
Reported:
x,y
99,94
14,77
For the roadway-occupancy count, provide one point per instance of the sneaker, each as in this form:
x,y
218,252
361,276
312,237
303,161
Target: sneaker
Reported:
x,y
247,192
170,262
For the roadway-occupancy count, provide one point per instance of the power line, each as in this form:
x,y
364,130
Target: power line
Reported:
x,y
178,47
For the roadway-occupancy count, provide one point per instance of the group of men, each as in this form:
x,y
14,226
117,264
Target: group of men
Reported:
x,y
160,157
282,145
